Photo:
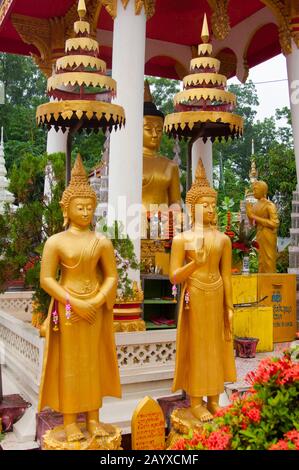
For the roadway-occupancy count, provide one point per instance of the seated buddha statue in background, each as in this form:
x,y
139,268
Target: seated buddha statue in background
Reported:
x,y
161,182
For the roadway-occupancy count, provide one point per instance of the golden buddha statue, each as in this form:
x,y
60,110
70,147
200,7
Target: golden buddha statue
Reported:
x,y
161,182
201,262
264,214
80,364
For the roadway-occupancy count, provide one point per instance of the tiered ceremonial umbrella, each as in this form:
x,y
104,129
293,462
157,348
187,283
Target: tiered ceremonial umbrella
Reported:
x,y
81,91
204,108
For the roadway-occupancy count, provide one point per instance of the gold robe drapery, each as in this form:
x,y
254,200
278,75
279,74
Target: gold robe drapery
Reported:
x,y
80,363
204,359
266,235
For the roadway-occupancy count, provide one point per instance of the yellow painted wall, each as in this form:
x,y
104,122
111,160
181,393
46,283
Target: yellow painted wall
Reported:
x,y
256,322
280,293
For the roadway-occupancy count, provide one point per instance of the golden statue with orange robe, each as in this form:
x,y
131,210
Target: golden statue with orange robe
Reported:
x,y
201,262
161,181
264,214
80,363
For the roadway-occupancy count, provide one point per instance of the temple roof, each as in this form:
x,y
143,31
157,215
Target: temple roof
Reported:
x,y
175,21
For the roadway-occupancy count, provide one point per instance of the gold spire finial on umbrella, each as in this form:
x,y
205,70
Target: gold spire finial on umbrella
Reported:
x,y
81,9
205,34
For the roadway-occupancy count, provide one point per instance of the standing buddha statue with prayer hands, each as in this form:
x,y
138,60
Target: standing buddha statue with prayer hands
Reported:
x,y
201,262
80,363
264,215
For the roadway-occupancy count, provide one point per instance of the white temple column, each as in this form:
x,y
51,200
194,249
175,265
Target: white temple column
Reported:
x,y
205,152
125,165
293,78
56,142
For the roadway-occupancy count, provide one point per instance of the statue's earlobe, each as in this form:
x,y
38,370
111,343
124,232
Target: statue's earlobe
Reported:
x,y
65,217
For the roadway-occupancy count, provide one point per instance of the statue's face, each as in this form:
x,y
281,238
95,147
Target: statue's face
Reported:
x,y
152,132
80,211
208,204
259,190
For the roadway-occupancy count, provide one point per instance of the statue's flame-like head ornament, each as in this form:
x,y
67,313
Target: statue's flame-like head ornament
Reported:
x,y
200,189
78,187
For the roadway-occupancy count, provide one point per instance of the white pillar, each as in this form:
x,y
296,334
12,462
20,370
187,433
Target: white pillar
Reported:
x,y
125,165
205,152
293,78
56,142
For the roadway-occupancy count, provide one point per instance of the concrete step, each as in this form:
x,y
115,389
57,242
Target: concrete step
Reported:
x,y
11,442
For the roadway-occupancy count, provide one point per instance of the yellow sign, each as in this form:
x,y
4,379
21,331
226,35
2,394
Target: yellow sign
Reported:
x,y
148,426
277,291
280,293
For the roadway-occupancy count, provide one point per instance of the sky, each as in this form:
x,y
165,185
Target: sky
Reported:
x,y
271,95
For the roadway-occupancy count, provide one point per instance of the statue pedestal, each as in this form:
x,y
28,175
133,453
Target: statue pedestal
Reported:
x,y
55,439
182,422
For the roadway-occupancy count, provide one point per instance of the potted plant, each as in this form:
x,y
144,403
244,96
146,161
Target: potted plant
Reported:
x,y
245,346
265,418
243,246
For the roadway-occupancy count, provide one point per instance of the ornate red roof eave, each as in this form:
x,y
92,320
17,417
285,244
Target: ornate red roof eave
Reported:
x,y
173,28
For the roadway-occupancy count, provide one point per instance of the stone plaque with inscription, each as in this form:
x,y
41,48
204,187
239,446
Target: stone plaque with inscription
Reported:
x,y
148,426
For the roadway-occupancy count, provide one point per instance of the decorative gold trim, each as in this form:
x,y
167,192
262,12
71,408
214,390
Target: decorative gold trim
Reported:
x,y
93,11
190,118
280,8
81,27
79,60
129,326
54,110
5,5
38,33
111,7
127,312
206,94
204,62
205,49
149,7
81,43
294,17
220,18
200,78
81,78
49,35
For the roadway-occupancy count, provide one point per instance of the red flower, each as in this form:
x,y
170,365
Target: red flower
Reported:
x,y
179,445
280,445
218,440
240,246
254,415
293,436
222,411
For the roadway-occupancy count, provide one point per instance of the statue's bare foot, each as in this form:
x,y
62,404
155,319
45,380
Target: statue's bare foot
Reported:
x,y
97,429
73,432
213,407
201,413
